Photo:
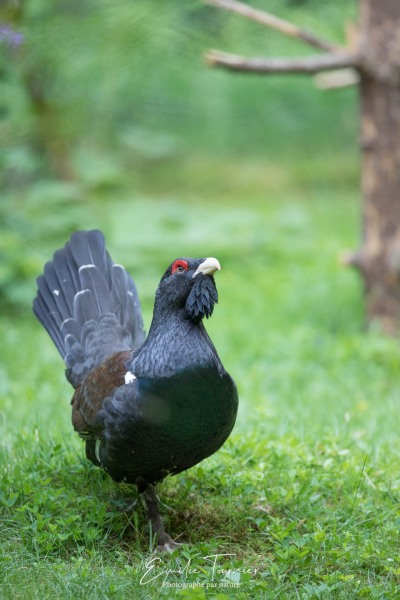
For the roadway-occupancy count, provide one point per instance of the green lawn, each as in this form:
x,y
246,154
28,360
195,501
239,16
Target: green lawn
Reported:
x,y
303,500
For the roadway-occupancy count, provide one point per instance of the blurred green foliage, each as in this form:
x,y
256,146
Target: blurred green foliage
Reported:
x,y
94,93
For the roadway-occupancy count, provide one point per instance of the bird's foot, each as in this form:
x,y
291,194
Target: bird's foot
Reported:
x,y
151,504
167,544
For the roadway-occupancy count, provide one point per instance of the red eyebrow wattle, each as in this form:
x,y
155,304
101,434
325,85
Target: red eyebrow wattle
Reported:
x,y
180,263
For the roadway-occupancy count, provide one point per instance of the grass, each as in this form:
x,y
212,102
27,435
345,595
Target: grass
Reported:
x,y
303,500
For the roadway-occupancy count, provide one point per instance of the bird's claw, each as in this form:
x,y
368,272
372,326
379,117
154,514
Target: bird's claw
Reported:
x,y
169,546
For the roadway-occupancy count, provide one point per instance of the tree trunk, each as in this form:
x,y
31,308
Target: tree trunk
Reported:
x,y
376,65
379,257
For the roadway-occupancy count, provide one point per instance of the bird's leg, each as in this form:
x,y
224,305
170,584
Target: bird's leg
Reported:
x,y
152,505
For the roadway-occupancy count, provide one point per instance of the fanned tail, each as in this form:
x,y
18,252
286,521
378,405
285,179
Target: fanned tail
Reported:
x,y
88,304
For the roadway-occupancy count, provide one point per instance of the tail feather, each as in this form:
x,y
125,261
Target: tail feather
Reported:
x,y
129,315
70,327
90,250
65,266
85,307
88,305
93,281
58,292
43,313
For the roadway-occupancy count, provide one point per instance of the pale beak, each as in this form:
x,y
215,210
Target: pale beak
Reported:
x,y
208,267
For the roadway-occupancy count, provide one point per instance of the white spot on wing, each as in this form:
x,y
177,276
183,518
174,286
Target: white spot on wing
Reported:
x,y
129,377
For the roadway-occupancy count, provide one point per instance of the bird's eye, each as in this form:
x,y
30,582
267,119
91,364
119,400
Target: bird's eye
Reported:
x,y
179,266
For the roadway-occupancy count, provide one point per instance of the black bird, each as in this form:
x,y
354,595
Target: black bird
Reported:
x,y
146,407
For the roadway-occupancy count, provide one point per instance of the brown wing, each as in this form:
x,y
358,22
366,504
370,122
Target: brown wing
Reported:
x,y
88,399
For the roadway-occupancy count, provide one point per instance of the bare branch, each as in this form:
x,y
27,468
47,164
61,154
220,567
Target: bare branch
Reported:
x,y
352,258
337,79
306,65
273,22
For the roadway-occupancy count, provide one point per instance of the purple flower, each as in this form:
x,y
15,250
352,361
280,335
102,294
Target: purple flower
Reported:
x,y
9,37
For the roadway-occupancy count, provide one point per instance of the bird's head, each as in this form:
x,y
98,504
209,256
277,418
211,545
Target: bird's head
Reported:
x,y
188,284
